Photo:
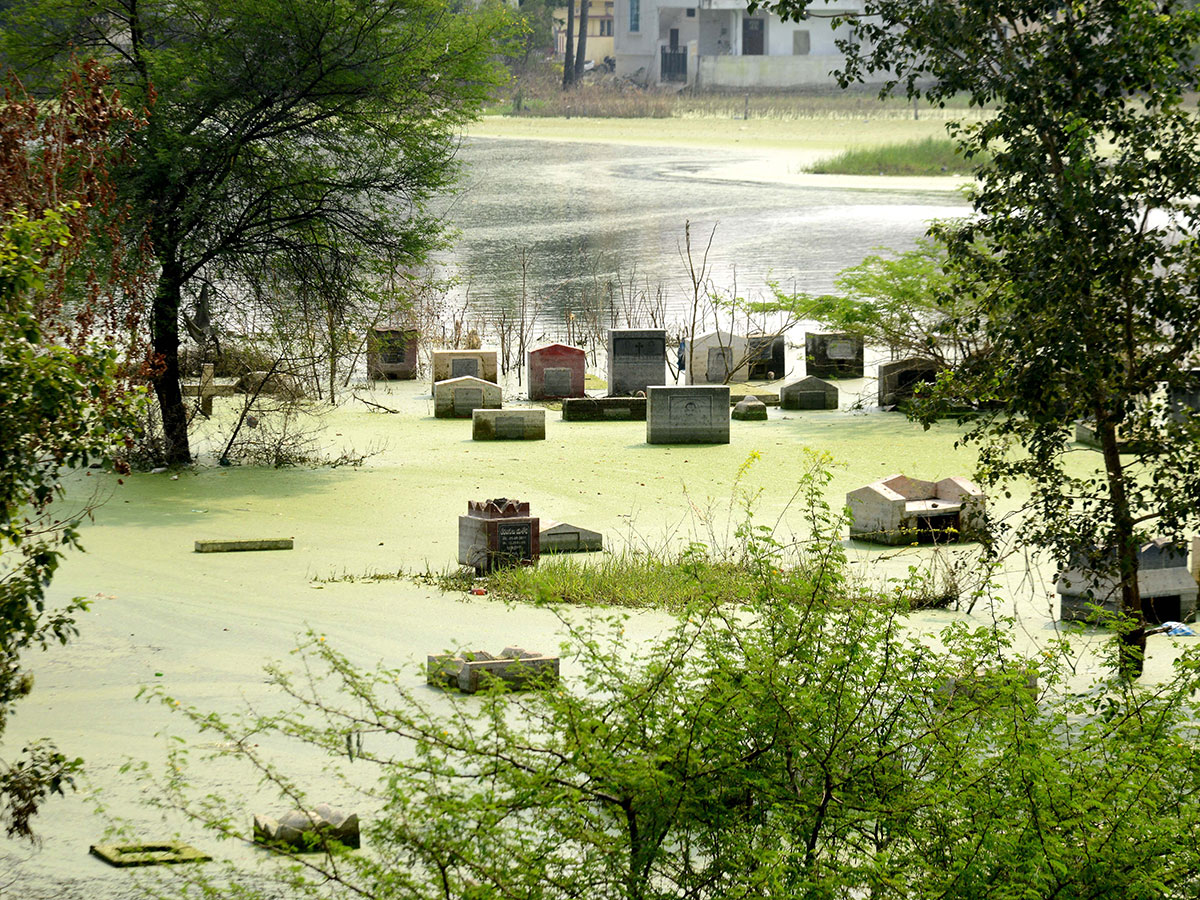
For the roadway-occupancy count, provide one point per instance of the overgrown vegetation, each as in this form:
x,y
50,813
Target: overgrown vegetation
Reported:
x,y
930,156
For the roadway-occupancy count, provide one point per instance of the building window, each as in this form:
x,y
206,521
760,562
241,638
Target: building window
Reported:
x,y
691,13
801,43
606,28
635,15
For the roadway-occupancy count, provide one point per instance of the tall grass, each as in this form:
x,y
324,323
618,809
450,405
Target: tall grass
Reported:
x,y
931,156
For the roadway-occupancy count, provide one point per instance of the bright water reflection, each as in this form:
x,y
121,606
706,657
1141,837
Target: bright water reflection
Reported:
x,y
589,213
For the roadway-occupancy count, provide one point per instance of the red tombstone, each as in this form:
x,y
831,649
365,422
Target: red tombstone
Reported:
x,y
556,371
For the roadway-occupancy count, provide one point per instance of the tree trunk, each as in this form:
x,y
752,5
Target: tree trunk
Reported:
x,y
1131,624
581,43
165,333
569,58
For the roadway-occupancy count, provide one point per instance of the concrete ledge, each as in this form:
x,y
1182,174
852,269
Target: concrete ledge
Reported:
x,y
148,854
240,546
601,409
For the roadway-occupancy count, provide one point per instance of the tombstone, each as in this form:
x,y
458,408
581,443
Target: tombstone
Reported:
x,y
1085,433
1167,586
207,391
458,398
151,853
902,510
604,409
470,670
750,409
392,352
481,364
637,359
898,379
269,384
809,393
560,537
556,371
309,831
717,357
833,355
688,415
508,425
497,534
765,356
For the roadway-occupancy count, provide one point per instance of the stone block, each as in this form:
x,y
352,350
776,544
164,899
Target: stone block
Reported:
x,y
809,393
471,670
688,415
603,409
560,537
833,355
900,510
637,359
242,546
392,352
157,853
496,534
508,425
750,409
1167,586
458,398
556,371
898,379
448,364
309,831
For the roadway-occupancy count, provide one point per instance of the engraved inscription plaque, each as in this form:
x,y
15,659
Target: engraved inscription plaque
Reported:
x,y
514,540
689,411
557,382
639,348
511,427
720,361
466,400
841,350
460,367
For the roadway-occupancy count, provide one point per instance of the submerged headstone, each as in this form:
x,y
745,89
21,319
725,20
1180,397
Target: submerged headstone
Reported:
x,y
309,830
898,379
833,355
392,352
809,393
508,425
561,537
717,357
556,371
637,359
481,364
470,670
496,534
458,398
766,356
688,415
750,409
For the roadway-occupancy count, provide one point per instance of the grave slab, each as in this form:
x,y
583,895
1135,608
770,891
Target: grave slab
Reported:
x,y
497,534
901,510
561,537
556,371
637,359
508,425
308,831
471,670
157,853
602,409
458,398
1166,584
809,393
697,414
243,546
898,379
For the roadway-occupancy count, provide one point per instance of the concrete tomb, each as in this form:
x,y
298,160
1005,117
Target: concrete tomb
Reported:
x,y
508,425
766,356
458,398
480,364
898,379
637,359
833,355
392,352
498,533
269,384
556,371
902,510
600,409
750,409
471,670
1085,433
309,830
157,853
717,357
809,393
560,537
688,415
1166,584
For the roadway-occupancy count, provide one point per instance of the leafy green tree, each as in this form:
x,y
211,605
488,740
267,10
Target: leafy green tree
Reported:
x,y
1079,268
273,125
64,406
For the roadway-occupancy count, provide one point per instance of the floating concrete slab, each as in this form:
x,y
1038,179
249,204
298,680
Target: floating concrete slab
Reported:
x,y
160,853
242,546
468,671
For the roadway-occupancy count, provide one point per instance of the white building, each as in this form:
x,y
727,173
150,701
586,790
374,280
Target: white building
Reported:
x,y
718,44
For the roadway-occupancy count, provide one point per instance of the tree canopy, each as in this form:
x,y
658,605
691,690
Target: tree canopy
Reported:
x,y
290,130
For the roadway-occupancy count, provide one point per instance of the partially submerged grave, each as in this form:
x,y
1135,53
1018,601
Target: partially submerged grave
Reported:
x,y
158,853
458,398
1165,583
470,670
497,533
556,371
561,537
637,359
809,393
833,355
392,352
447,364
508,425
903,510
688,415
307,830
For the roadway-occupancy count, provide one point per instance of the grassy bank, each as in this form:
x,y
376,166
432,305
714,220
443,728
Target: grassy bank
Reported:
x,y
930,156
